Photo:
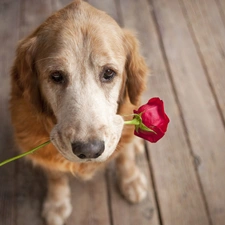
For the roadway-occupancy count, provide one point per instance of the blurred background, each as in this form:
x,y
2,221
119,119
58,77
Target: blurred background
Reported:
x,y
183,42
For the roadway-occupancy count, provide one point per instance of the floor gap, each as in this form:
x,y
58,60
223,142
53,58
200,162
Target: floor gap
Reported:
x,y
155,193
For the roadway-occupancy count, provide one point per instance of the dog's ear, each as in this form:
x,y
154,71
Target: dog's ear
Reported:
x,y
24,75
136,69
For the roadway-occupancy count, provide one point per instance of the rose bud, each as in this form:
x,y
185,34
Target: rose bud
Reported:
x,y
150,120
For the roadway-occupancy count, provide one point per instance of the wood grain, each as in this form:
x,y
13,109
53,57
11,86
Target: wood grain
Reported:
x,y
30,192
203,122
90,201
209,32
221,7
33,14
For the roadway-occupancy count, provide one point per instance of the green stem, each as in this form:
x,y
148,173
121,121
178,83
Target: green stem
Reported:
x,y
24,154
132,122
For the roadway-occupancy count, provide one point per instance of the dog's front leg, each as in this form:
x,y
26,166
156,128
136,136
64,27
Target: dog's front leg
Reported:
x,y
132,181
57,206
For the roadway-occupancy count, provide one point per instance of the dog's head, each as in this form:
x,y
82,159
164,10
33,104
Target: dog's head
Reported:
x,y
78,66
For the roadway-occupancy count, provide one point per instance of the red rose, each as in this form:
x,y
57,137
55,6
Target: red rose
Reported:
x,y
150,120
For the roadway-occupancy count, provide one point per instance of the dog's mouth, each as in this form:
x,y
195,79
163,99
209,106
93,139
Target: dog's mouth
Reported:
x,y
87,149
93,151
89,155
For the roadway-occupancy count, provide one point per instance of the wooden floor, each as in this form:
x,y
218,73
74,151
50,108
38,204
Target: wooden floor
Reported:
x,y
183,42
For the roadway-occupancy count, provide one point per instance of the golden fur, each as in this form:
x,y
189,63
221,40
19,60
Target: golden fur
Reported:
x,y
32,109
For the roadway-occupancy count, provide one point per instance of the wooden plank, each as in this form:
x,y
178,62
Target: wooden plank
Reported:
x,y
30,192
33,14
8,18
203,122
209,32
179,195
221,7
90,201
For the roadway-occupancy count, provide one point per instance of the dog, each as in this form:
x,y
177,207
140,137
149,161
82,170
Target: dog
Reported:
x,y
72,81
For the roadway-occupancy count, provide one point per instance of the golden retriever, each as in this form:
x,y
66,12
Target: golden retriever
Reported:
x,y
73,79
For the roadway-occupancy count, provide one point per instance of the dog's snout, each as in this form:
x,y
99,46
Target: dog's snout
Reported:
x,y
88,150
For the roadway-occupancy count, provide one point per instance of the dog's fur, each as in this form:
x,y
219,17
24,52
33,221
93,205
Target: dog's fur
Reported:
x,y
80,42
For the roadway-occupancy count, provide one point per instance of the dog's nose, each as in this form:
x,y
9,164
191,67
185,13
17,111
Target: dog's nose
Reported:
x,y
88,150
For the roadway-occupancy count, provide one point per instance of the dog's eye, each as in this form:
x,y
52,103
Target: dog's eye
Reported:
x,y
108,75
58,77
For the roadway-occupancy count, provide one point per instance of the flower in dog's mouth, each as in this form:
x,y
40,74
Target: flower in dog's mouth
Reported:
x,y
150,121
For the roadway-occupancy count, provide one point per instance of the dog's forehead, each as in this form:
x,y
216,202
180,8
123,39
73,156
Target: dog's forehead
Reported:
x,y
82,33
92,40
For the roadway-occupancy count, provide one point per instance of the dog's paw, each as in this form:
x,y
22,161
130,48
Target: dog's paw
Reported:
x,y
134,188
56,212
